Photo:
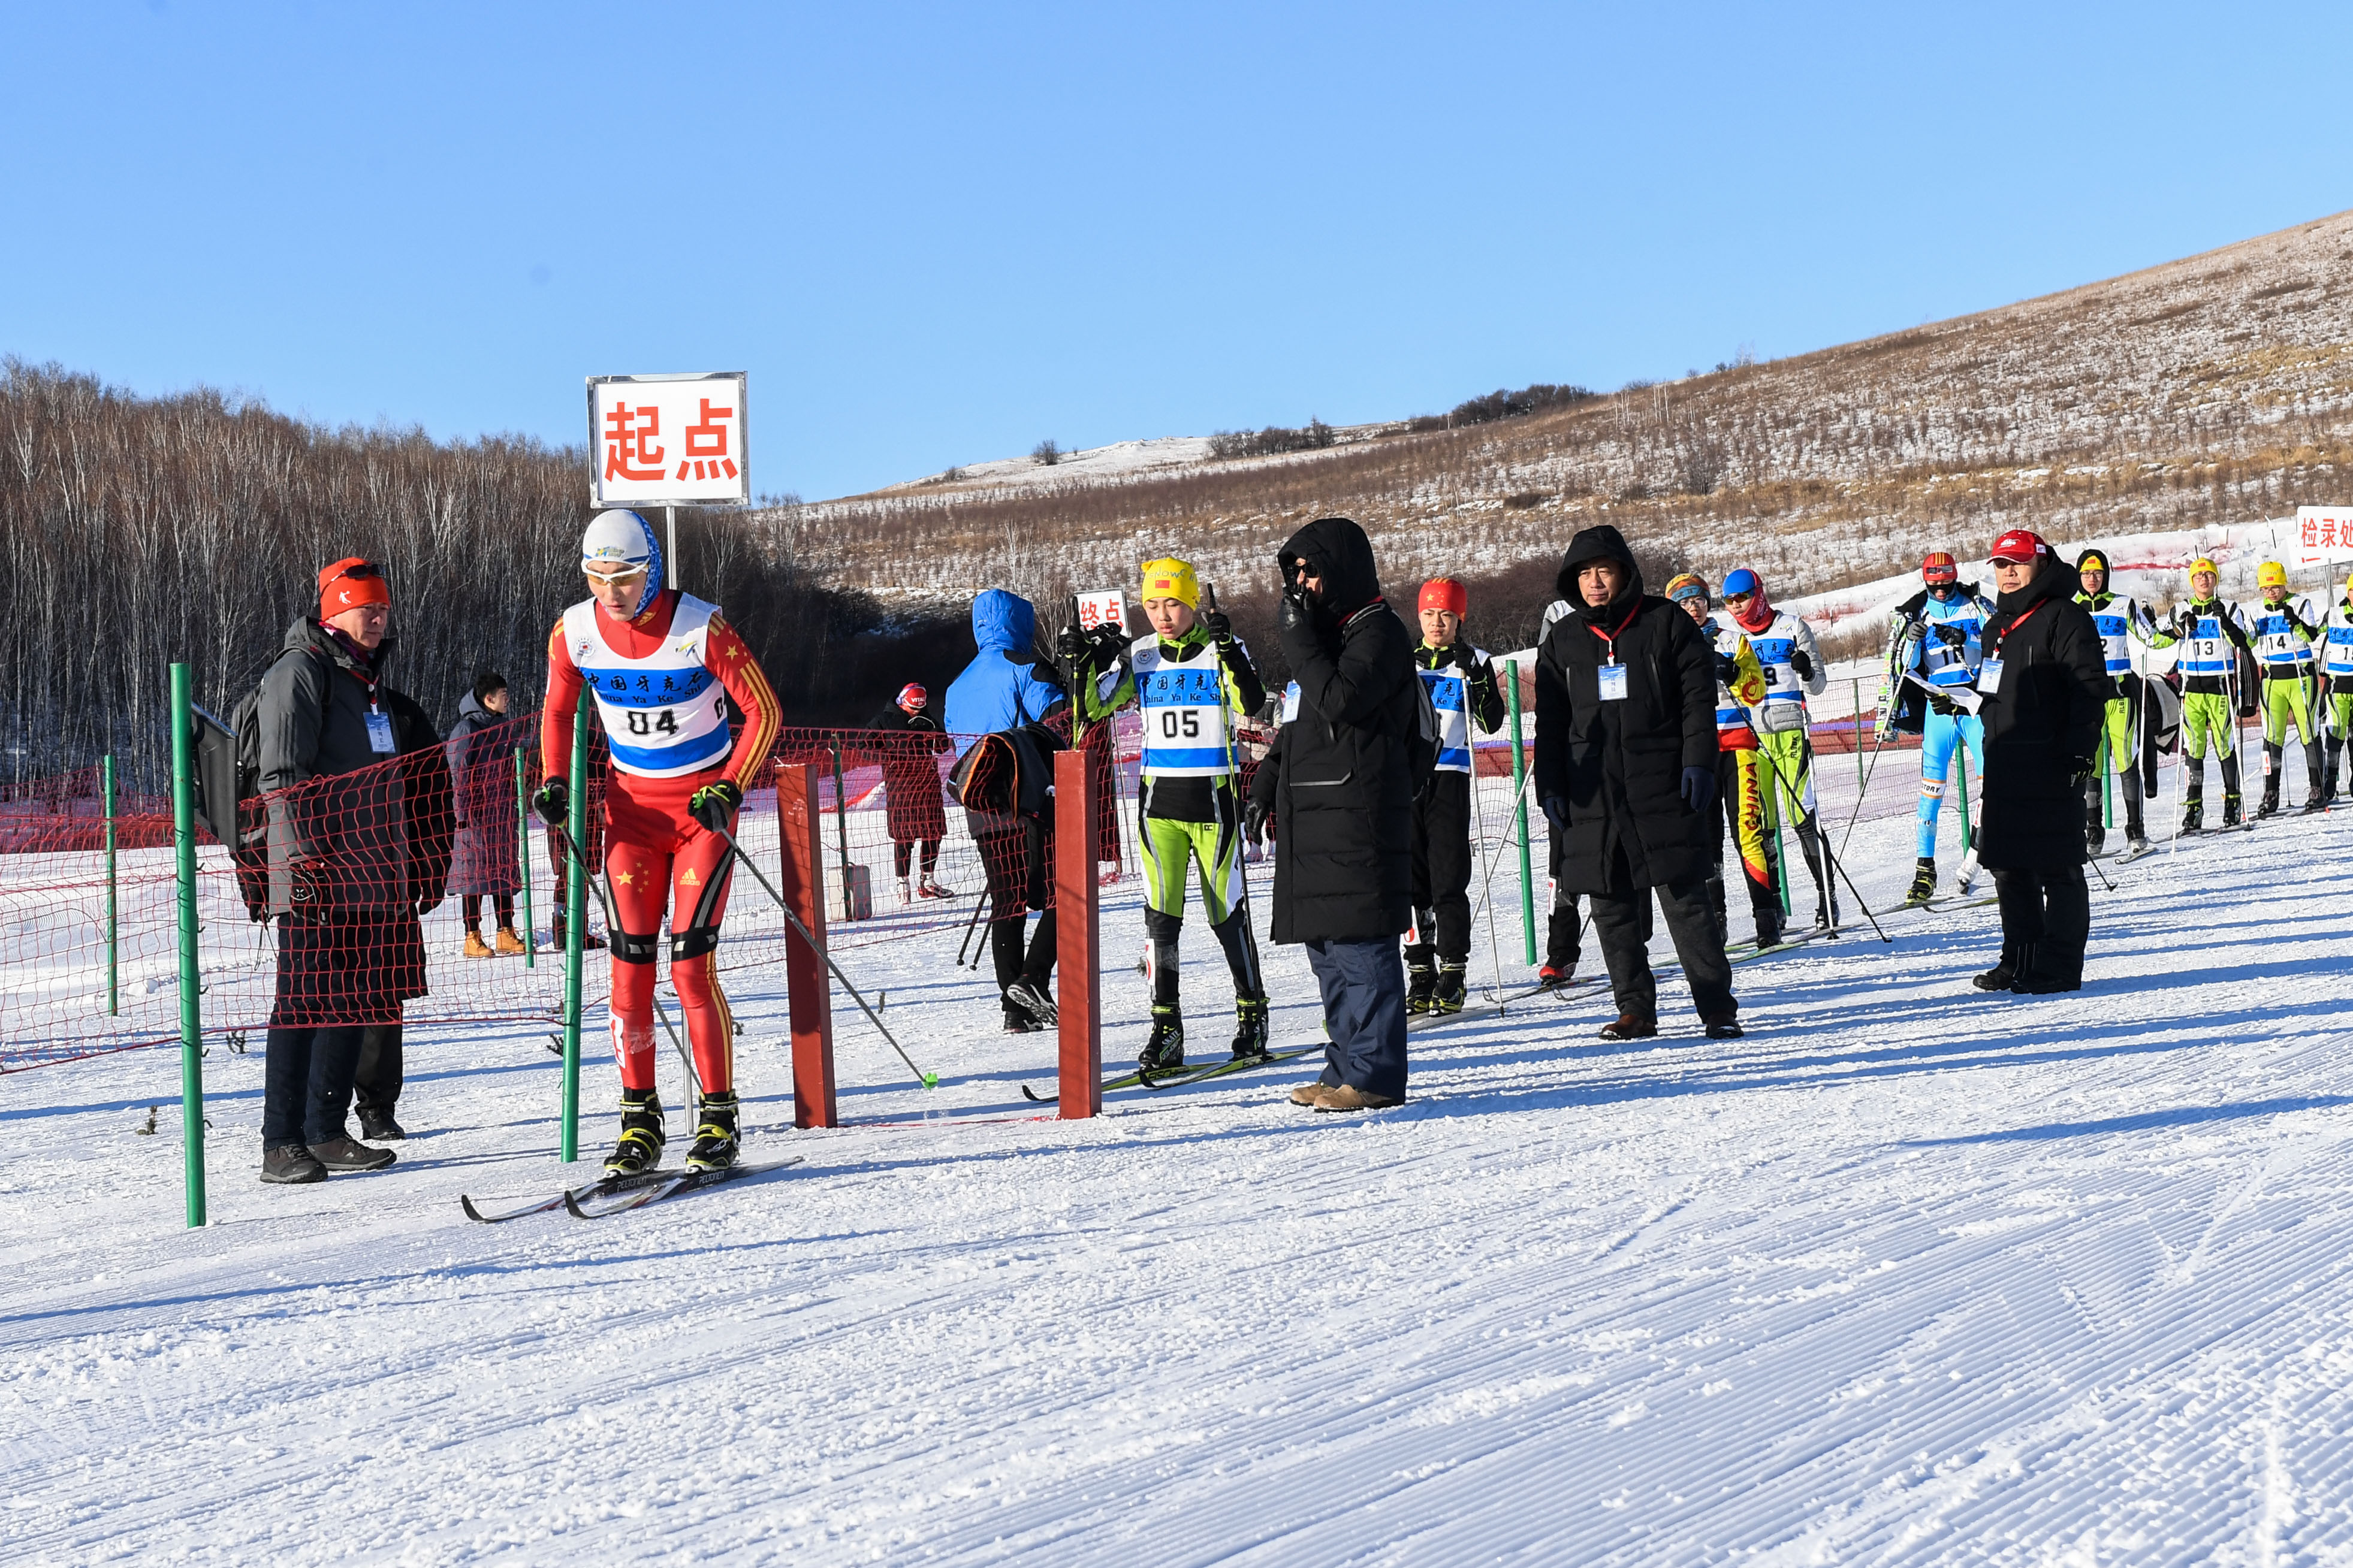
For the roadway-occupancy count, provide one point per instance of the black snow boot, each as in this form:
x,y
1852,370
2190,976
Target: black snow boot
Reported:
x,y
1448,997
642,1134
2002,976
1421,980
1770,925
1250,1028
715,1135
1924,880
1035,997
1163,1051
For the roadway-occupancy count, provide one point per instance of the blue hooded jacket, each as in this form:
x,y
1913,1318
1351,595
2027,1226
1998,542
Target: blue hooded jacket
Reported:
x,y
1003,686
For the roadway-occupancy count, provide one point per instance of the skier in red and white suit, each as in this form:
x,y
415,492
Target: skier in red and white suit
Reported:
x,y
651,657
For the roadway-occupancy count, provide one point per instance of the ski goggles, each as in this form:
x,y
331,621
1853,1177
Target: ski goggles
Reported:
x,y
614,571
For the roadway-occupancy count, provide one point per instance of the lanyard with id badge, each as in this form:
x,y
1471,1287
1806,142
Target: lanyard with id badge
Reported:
x,y
379,726
1990,672
1611,674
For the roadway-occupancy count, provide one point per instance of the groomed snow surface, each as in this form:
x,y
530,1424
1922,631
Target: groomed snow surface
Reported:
x,y
1909,1274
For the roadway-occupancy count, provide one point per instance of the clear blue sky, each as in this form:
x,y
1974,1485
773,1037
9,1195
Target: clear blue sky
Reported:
x,y
936,235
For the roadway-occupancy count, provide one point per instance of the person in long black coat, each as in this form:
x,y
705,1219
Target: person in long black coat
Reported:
x,y
1625,770
1343,792
2043,689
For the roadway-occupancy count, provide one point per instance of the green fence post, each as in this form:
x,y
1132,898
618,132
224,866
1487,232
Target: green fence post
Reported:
x,y
2108,793
192,1024
1961,776
522,864
113,903
1519,795
575,930
1854,738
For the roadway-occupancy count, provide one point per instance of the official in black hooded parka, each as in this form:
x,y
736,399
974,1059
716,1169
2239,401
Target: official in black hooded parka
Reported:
x,y
1343,806
1625,769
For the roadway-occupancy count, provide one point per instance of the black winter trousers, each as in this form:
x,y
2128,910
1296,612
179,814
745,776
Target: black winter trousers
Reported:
x,y
902,853
1363,985
2046,922
1013,859
307,1084
376,1073
1622,922
1442,868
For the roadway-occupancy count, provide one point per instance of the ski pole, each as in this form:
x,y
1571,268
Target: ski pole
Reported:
x,y
613,929
736,853
978,904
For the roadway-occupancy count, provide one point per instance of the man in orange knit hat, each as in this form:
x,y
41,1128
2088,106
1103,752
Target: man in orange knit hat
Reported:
x,y
1462,689
650,656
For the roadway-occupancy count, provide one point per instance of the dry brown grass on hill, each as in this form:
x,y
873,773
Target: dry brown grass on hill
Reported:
x,y
2213,389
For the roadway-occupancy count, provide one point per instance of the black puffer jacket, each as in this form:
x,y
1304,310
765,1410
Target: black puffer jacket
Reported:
x,y
1618,765
1343,792
2042,717
375,833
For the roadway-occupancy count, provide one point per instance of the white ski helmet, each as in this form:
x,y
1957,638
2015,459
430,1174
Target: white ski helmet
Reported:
x,y
619,544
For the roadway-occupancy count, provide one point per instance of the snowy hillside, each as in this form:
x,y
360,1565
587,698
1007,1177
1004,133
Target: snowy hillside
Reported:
x,y
1909,1274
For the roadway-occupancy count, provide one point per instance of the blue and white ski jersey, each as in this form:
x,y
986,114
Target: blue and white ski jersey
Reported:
x,y
2337,642
2280,650
2205,650
1450,694
661,718
1785,695
1945,664
1182,694
2120,619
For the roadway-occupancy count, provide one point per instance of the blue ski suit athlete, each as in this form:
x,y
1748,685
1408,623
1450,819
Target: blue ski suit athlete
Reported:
x,y
1946,656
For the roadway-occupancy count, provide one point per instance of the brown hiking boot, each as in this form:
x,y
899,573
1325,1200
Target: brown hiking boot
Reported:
x,y
1630,1026
1348,1097
1307,1093
508,941
475,946
346,1153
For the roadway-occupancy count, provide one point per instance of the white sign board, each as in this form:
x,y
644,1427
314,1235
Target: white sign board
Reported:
x,y
1105,606
669,440
2323,533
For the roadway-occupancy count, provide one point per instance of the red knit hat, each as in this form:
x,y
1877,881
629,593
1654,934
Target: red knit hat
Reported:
x,y
1444,594
349,584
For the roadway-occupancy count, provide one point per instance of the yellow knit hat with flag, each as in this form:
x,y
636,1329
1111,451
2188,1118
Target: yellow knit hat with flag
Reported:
x,y
2271,574
2203,563
1172,579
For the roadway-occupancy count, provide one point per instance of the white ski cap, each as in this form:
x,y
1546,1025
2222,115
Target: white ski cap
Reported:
x,y
617,544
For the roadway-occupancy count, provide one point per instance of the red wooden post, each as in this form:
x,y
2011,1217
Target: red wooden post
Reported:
x,y
1077,938
808,988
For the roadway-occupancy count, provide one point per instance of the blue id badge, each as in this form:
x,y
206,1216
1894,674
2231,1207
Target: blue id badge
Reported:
x,y
380,732
1613,682
1990,677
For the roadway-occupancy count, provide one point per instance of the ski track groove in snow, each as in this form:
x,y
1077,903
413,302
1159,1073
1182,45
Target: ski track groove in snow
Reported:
x,y
1909,1274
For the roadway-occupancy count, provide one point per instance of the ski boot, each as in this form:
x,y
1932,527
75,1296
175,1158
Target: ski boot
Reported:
x,y
906,893
2269,806
642,1134
1250,1028
2193,818
929,888
1163,1051
1034,998
1924,881
2135,845
2230,811
2314,802
1421,985
1553,976
715,1135
1448,997
1769,928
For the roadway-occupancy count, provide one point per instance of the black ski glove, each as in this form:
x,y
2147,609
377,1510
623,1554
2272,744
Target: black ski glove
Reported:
x,y
1071,643
1802,664
1255,818
714,805
1698,787
307,885
1104,643
552,803
1555,810
1727,668
1951,635
1219,626
1294,616
2083,769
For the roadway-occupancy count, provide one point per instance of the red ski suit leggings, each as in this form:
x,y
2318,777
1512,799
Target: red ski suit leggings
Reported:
x,y
656,855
